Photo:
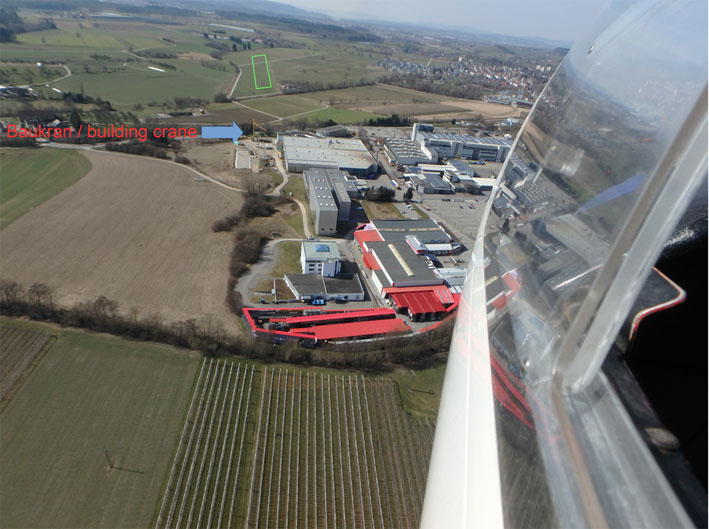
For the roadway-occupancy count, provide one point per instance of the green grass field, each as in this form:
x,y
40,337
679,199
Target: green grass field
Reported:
x,y
339,115
283,106
22,74
288,263
379,93
103,61
28,177
91,394
297,187
137,83
420,390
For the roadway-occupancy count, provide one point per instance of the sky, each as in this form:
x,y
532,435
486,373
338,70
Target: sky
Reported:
x,y
564,20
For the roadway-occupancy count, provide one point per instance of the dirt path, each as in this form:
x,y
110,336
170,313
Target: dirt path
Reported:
x,y
269,257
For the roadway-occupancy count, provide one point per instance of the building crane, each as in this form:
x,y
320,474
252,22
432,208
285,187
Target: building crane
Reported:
x,y
254,124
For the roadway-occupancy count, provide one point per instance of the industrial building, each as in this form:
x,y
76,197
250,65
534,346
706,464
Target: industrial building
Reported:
x,y
462,145
329,192
335,131
428,183
306,152
309,326
422,235
342,287
397,254
322,204
407,152
464,178
318,257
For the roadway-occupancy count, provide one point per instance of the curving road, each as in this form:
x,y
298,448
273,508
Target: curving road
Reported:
x,y
269,257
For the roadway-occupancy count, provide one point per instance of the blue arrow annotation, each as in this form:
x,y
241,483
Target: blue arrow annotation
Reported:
x,y
233,132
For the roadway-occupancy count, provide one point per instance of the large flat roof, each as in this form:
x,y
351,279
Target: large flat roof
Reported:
x,y
343,284
465,138
348,153
400,263
426,230
321,250
307,284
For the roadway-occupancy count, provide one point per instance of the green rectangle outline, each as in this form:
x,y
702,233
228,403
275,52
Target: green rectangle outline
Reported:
x,y
253,69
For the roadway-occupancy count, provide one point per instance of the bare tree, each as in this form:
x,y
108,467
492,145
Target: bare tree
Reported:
x,y
104,307
10,291
42,295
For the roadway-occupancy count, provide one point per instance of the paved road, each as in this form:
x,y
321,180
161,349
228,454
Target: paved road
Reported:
x,y
282,170
269,256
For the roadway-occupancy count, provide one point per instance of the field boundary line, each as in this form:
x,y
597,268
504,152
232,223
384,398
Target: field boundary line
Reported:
x,y
206,446
258,437
297,467
374,457
339,443
349,453
287,58
183,465
216,443
224,445
241,448
356,450
185,492
134,156
307,445
280,457
290,450
324,448
236,81
332,451
299,114
179,444
403,506
364,453
414,485
236,102
273,448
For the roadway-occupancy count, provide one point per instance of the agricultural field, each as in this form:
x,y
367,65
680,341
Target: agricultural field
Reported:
x,y
29,177
339,115
134,229
110,60
223,114
378,94
284,106
88,439
361,103
323,61
278,447
19,74
19,348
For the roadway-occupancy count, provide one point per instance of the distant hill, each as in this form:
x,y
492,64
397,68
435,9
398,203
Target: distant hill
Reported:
x,y
486,37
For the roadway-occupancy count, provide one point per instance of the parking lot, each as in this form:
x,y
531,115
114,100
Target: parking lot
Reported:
x,y
461,213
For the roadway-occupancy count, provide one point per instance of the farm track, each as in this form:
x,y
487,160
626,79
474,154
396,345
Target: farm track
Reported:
x,y
275,447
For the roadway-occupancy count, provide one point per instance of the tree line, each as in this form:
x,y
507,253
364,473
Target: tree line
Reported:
x,y
209,337
248,239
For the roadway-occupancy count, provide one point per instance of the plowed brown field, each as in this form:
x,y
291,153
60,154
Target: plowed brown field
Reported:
x,y
133,229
